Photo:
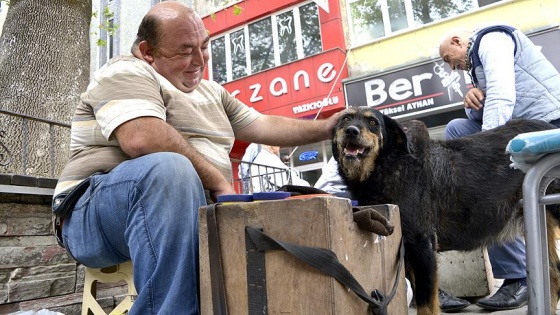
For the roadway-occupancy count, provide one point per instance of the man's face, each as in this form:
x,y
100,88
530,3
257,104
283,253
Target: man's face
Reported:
x,y
182,53
453,52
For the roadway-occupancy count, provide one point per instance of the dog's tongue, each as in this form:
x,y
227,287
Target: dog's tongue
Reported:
x,y
352,150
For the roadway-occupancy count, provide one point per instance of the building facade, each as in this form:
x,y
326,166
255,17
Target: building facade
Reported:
x,y
396,67
308,59
284,58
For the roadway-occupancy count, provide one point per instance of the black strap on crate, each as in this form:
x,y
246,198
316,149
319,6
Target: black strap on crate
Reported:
x,y
219,302
256,277
326,261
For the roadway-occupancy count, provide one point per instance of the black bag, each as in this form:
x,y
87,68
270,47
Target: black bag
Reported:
x,y
64,203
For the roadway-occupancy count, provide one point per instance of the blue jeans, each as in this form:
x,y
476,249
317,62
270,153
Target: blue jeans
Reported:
x,y
144,210
507,259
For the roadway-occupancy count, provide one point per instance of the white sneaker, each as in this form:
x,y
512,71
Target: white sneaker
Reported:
x,y
408,292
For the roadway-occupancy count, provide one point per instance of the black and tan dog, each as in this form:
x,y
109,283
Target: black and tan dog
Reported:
x,y
459,194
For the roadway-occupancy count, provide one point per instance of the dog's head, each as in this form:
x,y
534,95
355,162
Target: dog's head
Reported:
x,y
361,136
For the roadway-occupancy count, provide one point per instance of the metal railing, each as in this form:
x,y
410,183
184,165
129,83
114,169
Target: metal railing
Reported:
x,y
5,154
21,147
260,178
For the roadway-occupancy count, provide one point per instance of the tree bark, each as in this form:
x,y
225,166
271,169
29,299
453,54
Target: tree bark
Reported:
x,y
44,66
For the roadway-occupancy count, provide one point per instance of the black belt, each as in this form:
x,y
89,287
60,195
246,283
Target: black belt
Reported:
x,y
63,204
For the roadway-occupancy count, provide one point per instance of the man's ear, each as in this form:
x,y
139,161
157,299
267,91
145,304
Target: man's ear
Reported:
x,y
146,52
456,40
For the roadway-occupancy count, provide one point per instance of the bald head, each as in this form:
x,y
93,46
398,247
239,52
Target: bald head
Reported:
x,y
161,14
169,10
453,48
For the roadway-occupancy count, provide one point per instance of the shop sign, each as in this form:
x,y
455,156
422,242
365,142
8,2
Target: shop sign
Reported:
x,y
302,86
411,90
308,155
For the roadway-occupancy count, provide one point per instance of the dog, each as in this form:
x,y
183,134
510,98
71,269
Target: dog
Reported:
x,y
458,194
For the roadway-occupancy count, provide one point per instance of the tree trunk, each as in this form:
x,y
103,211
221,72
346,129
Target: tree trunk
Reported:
x,y
44,66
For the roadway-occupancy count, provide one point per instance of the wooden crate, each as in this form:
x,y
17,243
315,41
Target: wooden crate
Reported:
x,y
293,287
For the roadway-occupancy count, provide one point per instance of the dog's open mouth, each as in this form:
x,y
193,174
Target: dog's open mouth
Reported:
x,y
352,150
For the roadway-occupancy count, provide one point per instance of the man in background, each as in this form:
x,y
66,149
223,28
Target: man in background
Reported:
x,y
512,79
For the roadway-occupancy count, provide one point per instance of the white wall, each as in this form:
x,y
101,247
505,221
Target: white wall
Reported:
x,y
128,15
3,11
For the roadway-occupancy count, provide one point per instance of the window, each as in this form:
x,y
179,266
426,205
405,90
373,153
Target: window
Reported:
x,y
238,54
261,46
108,40
310,29
372,19
219,56
278,39
287,44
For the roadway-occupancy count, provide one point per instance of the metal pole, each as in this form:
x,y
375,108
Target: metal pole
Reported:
x,y
538,280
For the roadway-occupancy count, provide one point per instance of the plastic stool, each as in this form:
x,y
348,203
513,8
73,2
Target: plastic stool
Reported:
x,y
111,274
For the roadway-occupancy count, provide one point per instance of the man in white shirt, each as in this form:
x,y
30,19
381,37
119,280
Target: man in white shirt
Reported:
x,y
512,79
267,171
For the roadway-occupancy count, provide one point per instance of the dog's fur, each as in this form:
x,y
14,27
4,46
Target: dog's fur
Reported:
x,y
459,194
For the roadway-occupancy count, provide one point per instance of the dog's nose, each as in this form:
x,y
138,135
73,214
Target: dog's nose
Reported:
x,y
352,131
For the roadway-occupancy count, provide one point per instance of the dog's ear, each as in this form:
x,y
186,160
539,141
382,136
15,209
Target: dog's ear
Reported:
x,y
395,135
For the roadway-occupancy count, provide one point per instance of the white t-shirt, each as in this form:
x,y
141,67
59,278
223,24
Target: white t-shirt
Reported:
x,y
274,176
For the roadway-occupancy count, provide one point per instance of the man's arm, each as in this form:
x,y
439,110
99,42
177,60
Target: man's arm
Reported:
x,y
497,56
284,131
145,135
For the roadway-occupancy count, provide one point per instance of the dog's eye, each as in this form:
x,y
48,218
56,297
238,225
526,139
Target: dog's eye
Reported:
x,y
346,119
372,122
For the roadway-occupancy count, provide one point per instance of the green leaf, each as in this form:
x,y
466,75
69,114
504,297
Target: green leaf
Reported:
x,y
237,10
108,13
101,42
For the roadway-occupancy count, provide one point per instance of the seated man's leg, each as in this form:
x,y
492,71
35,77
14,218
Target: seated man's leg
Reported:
x,y
461,127
146,210
508,263
508,259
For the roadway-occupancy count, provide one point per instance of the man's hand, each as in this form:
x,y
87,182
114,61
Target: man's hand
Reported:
x,y
225,189
332,121
474,99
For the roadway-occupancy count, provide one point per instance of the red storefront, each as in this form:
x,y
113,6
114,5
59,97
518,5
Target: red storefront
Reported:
x,y
280,57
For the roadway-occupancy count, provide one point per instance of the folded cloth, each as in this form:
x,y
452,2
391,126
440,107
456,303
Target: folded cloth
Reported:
x,y
537,142
527,148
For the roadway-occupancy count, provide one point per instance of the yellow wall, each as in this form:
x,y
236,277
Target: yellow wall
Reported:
x,y
421,44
